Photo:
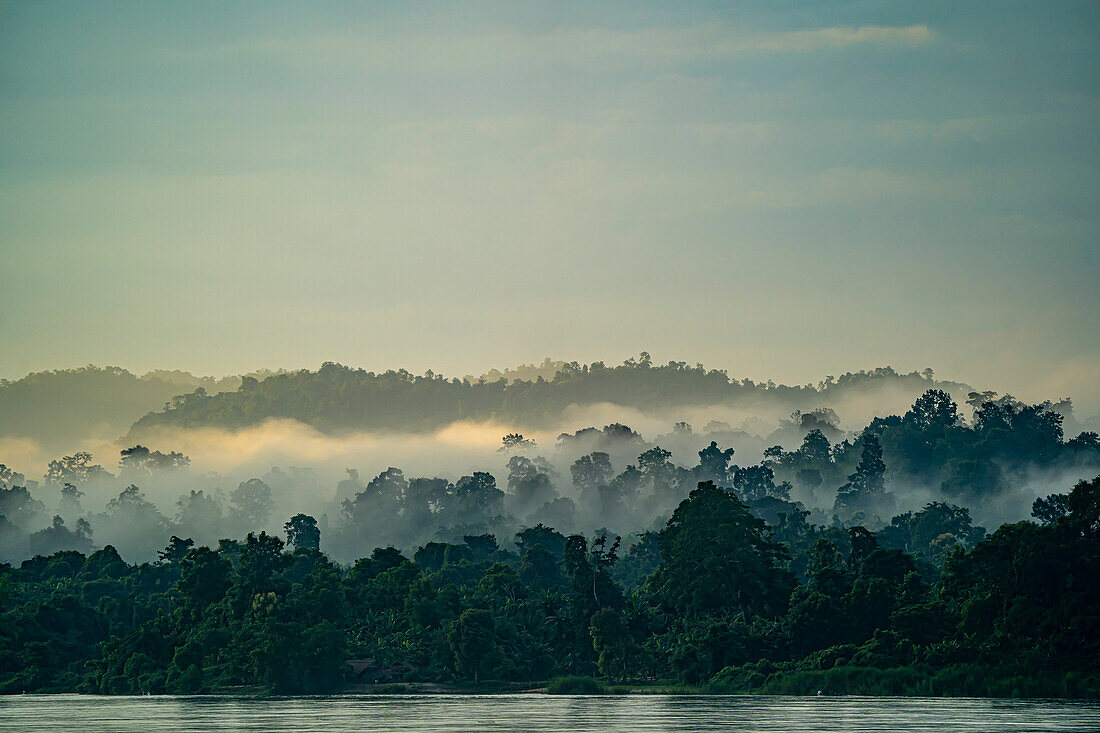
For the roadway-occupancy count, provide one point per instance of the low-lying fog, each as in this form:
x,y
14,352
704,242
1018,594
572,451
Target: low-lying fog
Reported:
x,y
302,470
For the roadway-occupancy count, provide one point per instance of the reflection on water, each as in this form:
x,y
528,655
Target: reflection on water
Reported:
x,y
88,714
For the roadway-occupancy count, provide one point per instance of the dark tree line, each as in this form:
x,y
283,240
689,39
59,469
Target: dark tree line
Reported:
x,y
716,597
336,397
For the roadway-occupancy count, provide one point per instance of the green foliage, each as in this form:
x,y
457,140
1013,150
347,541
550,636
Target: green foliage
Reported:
x,y
612,642
65,406
337,397
718,560
472,637
957,680
866,488
1012,614
932,532
575,685
302,532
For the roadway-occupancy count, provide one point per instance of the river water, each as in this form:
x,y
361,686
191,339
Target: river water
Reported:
x,y
89,714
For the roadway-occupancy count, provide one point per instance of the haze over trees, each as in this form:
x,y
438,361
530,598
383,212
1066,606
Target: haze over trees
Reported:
x,y
853,559
614,478
64,406
336,397
717,598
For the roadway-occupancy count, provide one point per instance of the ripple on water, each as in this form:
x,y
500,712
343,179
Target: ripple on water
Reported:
x,y
90,714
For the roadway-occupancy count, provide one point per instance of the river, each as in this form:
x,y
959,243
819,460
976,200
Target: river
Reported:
x,y
523,712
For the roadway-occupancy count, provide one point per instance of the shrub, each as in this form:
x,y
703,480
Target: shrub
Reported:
x,y
575,685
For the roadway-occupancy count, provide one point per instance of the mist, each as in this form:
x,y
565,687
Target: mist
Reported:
x,y
580,467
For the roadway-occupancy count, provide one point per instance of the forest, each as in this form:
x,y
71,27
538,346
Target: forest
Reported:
x,y
716,598
848,563
337,397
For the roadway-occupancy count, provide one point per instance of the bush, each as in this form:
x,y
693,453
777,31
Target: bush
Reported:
x,y
392,689
576,685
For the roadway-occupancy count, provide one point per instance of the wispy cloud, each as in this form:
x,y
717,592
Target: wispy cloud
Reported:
x,y
909,36
654,47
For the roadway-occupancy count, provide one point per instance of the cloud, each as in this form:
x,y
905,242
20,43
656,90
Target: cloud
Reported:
x,y
611,49
820,38
457,446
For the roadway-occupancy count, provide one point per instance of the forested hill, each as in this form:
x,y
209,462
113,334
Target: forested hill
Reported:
x,y
60,407
337,397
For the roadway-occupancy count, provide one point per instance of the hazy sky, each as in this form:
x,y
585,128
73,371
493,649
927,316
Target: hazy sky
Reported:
x,y
784,190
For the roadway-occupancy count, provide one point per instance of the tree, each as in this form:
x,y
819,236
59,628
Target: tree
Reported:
x,y
591,471
482,546
9,477
1086,442
515,442
658,471
1049,510
589,568
866,488
714,464
611,641
472,638
530,483
618,498
141,462
540,568
827,570
934,408
17,504
476,499
542,535
640,562
718,560
261,559
815,448
302,532
135,522
176,550
374,509
70,501
773,454
1018,433
292,657
972,478
500,585
76,469
58,538
932,532
540,549
1084,508
204,578
199,514
252,503
754,482
824,419
423,497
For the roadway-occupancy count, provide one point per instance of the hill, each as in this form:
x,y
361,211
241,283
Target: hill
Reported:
x,y
339,398
61,407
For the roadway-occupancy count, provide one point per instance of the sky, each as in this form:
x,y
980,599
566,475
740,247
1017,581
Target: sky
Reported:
x,y
785,190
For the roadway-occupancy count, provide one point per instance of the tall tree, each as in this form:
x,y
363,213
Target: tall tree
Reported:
x,y
302,532
718,560
866,488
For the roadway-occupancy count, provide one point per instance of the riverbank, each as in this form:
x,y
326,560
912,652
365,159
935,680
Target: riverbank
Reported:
x,y
557,686
959,681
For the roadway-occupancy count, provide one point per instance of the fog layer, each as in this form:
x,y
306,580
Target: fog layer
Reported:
x,y
594,466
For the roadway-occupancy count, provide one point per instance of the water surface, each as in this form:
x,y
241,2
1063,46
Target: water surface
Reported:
x,y
91,714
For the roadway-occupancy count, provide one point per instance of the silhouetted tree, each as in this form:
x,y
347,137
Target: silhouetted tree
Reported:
x,y
302,532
